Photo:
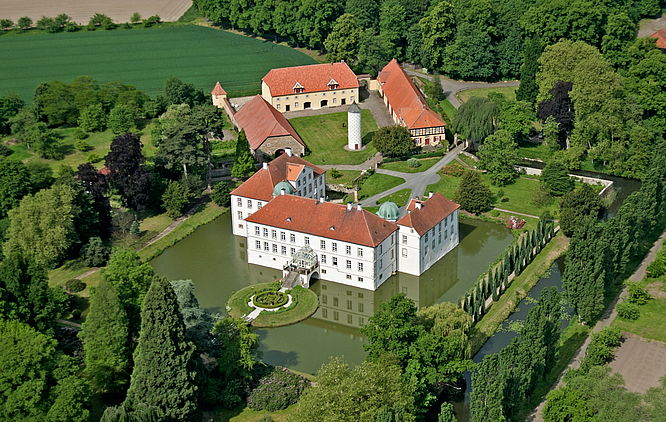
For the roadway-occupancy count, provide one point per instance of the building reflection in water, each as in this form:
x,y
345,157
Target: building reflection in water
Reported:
x,y
347,306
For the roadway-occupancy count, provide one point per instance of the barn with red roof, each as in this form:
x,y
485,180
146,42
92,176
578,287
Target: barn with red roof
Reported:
x,y
408,107
310,87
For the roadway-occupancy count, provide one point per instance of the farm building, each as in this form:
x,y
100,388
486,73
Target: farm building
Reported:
x,y
310,87
408,107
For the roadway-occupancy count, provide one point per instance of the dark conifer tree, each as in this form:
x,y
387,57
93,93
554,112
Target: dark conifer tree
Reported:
x,y
127,172
163,375
528,89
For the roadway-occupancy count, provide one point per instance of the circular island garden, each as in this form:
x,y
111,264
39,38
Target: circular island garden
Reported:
x,y
272,307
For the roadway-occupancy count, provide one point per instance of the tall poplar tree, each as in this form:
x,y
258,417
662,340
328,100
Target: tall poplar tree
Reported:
x,y
163,375
105,340
244,163
528,89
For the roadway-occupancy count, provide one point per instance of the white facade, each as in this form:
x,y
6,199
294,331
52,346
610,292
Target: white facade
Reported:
x,y
341,262
418,253
306,184
354,139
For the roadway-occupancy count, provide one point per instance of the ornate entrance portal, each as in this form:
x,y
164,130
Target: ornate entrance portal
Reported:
x,y
300,270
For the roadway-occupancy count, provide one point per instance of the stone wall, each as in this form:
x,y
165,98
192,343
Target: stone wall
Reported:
x,y
585,179
266,151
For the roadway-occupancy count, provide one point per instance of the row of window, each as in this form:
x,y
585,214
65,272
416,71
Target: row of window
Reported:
x,y
239,202
336,303
336,317
335,101
334,261
427,131
306,95
292,239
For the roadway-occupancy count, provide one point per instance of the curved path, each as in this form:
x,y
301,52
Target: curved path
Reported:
x,y
451,87
417,182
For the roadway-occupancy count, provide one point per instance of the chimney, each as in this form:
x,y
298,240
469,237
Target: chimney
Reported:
x,y
288,152
418,205
349,206
282,191
321,200
359,207
429,194
264,165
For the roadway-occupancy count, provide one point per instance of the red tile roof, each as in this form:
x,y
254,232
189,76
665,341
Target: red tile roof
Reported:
x,y
293,170
313,78
325,219
261,120
433,210
661,38
260,185
405,99
218,90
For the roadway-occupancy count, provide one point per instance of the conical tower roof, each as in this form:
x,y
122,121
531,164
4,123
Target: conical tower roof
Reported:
x,y
354,109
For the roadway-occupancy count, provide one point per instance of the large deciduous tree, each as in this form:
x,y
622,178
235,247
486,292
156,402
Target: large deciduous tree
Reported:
x,y
437,31
97,185
10,105
476,119
105,340
15,183
44,226
163,375
394,141
127,172
472,194
342,42
335,397
497,155
556,179
38,382
576,205
560,107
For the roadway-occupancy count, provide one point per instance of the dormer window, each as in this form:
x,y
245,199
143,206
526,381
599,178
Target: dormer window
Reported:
x,y
333,84
298,88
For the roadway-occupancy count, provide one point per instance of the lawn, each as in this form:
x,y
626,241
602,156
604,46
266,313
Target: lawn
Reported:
x,y
400,197
142,57
448,109
377,183
326,135
402,166
652,322
517,197
346,177
534,151
508,91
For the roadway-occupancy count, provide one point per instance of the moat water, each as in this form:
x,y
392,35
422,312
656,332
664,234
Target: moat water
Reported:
x,y
215,260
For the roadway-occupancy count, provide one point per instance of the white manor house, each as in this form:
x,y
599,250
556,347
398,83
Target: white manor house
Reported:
x,y
289,226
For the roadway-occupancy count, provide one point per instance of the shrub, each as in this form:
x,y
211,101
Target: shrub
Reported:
x,y
6,24
472,194
95,253
80,134
629,311
94,158
638,295
335,173
136,18
221,194
175,199
153,20
453,169
24,23
413,163
74,285
601,348
277,390
658,267
556,179
265,418
82,145
5,151
135,228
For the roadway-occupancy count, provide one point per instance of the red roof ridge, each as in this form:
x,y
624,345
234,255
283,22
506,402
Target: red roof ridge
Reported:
x,y
433,210
260,121
218,90
312,78
310,216
260,185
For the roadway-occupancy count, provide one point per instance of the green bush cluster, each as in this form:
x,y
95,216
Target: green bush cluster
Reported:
x,y
628,311
277,390
413,163
74,285
601,348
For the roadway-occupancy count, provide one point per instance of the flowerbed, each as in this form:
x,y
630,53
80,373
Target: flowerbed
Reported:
x,y
270,299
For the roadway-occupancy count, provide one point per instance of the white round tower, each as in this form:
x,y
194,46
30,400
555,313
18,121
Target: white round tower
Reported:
x,y
354,128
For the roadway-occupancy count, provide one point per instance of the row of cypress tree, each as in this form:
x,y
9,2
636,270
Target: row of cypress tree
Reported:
x,y
495,282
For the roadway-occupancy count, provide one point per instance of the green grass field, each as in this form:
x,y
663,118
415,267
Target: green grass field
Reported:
x,y
652,322
142,57
508,91
518,196
326,135
400,197
377,183
402,166
346,177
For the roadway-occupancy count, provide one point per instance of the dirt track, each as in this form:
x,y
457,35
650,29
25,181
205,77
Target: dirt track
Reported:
x,y
81,10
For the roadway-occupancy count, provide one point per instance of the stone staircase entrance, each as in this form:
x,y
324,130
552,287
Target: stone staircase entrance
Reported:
x,y
290,280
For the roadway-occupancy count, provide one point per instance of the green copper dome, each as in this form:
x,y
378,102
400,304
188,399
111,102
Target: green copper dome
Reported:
x,y
288,189
389,211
